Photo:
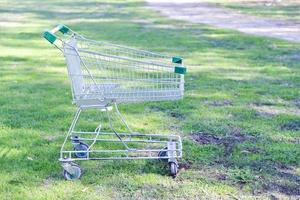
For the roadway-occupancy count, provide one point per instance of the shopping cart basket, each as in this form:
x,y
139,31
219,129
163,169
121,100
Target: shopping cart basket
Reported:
x,y
104,74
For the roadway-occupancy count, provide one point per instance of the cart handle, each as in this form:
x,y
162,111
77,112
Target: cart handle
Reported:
x,y
50,35
179,68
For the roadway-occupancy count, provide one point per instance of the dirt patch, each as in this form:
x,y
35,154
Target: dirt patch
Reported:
x,y
291,57
177,115
229,142
295,140
50,138
288,188
265,111
264,114
281,177
285,187
297,103
291,126
271,111
272,197
185,165
205,138
252,150
263,104
222,177
284,178
235,135
269,166
48,182
219,103
173,113
156,108
290,176
287,172
222,103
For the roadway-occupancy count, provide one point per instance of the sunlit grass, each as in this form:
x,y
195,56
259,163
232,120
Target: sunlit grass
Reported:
x,y
236,84
284,10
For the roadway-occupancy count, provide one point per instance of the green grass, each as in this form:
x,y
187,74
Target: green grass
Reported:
x,y
242,89
286,9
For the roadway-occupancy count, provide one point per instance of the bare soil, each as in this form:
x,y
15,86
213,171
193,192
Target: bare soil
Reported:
x,y
284,180
229,141
291,126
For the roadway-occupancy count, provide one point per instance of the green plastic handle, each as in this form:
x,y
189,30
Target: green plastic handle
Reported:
x,y
180,70
177,60
50,35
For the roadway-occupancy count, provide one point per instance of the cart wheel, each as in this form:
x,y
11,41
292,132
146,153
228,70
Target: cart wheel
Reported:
x,y
76,175
81,147
173,169
163,154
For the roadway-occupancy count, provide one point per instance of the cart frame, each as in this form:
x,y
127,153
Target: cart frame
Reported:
x,y
157,79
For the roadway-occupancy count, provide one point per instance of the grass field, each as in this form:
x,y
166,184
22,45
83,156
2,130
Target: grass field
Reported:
x,y
239,120
276,9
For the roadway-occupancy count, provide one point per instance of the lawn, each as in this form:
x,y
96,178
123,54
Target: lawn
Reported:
x,y
239,119
284,9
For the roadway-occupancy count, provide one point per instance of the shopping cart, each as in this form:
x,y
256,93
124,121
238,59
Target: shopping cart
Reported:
x,y
104,74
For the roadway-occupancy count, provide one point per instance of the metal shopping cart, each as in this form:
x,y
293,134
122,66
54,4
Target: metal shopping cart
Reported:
x,y
103,75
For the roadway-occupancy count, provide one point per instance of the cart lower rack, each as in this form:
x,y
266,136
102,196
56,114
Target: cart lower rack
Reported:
x,y
103,75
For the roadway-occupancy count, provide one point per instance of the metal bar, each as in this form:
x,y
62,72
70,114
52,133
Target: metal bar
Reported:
x,y
128,59
132,135
122,119
132,141
121,151
96,136
113,158
125,47
112,128
76,117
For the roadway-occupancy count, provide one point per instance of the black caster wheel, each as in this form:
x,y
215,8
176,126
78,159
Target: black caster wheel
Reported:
x,y
76,172
163,154
81,147
173,169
